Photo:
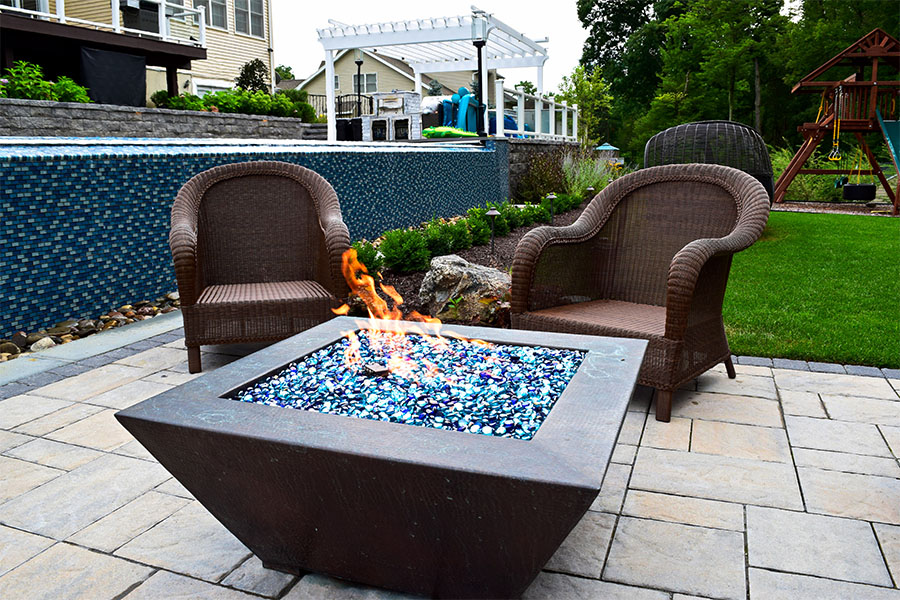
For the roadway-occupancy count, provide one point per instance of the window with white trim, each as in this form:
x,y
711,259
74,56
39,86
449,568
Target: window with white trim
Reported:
x,y
216,12
248,17
369,83
337,82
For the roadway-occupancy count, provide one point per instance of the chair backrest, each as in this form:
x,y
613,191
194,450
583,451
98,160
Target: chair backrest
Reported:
x,y
716,142
636,225
258,222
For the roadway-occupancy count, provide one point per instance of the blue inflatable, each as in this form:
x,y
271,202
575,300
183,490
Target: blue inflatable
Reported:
x,y
467,118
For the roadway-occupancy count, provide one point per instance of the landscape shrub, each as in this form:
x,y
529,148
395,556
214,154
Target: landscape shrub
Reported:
x,y
439,238
543,174
460,236
26,81
240,101
370,256
254,76
582,170
405,250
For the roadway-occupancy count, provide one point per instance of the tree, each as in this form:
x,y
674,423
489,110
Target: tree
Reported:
x,y
591,93
435,88
254,77
284,72
611,23
527,87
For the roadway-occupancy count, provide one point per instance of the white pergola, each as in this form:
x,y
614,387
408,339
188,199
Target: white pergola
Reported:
x,y
435,45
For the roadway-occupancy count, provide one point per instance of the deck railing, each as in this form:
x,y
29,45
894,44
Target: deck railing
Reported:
x,y
547,118
171,23
345,106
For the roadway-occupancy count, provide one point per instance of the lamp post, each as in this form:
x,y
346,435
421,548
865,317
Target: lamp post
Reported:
x,y
551,197
479,39
493,214
358,53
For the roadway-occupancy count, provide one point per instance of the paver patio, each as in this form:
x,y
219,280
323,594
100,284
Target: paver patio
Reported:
x,y
782,482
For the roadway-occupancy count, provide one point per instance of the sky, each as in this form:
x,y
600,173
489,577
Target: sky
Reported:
x,y
296,42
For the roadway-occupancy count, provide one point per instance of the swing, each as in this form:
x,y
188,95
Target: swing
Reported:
x,y
835,154
859,191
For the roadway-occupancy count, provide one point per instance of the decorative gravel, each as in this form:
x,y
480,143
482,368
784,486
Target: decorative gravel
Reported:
x,y
457,385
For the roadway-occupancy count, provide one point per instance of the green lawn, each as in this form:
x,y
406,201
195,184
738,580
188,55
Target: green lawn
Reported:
x,y
821,287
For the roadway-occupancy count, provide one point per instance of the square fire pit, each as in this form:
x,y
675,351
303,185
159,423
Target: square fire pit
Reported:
x,y
470,503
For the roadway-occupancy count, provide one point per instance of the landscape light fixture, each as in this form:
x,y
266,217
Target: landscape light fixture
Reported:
x,y
551,197
590,191
493,214
479,39
358,54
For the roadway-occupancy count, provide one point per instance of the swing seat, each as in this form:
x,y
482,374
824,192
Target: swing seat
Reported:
x,y
859,191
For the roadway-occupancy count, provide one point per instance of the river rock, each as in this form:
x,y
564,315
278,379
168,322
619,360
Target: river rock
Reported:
x,y
454,288
7,347
173,296
43,344
60,330
20,339
34,337
67,323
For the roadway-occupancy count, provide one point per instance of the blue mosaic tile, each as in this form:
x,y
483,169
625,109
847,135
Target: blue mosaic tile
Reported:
x,y
85,222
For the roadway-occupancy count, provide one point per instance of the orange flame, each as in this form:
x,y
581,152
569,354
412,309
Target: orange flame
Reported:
x,y
391,341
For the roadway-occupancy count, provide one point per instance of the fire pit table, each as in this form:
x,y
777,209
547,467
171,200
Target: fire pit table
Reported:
x,y
468,504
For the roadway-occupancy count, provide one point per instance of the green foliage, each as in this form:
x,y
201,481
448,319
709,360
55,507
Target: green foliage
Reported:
x,y
543,175
513,216
582,170
241,101
26,81
435,88
806,188
254,77
284,72
460,236
809,289
438,238
527,87
295,95
478,226
405,250
370,256
591,93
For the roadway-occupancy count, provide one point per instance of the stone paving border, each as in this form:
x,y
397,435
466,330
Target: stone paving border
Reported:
x,y
23,374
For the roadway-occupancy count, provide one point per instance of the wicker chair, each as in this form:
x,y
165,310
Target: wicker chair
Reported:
x,y
714,142
257,250
648,258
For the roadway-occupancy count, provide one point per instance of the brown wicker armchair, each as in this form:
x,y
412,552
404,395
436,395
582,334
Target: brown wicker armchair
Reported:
x,y
648,258
257,250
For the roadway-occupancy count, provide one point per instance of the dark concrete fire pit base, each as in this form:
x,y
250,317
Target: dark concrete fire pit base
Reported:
x,y
431,512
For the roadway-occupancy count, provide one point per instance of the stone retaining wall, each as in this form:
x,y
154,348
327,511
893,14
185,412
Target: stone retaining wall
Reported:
x,y
520,153
30,118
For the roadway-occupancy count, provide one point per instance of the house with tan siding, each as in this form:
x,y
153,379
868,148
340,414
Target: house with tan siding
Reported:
x,y
185,57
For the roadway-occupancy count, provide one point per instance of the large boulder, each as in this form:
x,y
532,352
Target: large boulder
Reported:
x,y
454,288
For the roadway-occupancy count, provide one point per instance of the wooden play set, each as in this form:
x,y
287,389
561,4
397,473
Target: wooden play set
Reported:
x,y
863,102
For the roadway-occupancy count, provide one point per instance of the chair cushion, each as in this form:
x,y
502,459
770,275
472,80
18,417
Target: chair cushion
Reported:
x,y
603,317
262,292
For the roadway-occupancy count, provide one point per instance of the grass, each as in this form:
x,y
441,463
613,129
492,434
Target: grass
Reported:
x,y
820,287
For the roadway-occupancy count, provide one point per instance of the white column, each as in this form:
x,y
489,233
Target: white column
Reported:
x,y
485,85
61,10
329,95
163,21
520,110
552,122
116,22
538,105
575,121
565,116
202,22
417,82
498,102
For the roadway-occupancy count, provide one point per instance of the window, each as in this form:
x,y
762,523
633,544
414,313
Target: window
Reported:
x,y
248,17
216,12
337,82
369,83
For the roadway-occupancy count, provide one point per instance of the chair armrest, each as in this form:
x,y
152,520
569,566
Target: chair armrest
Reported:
x,y
567,241
337,241
183,243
